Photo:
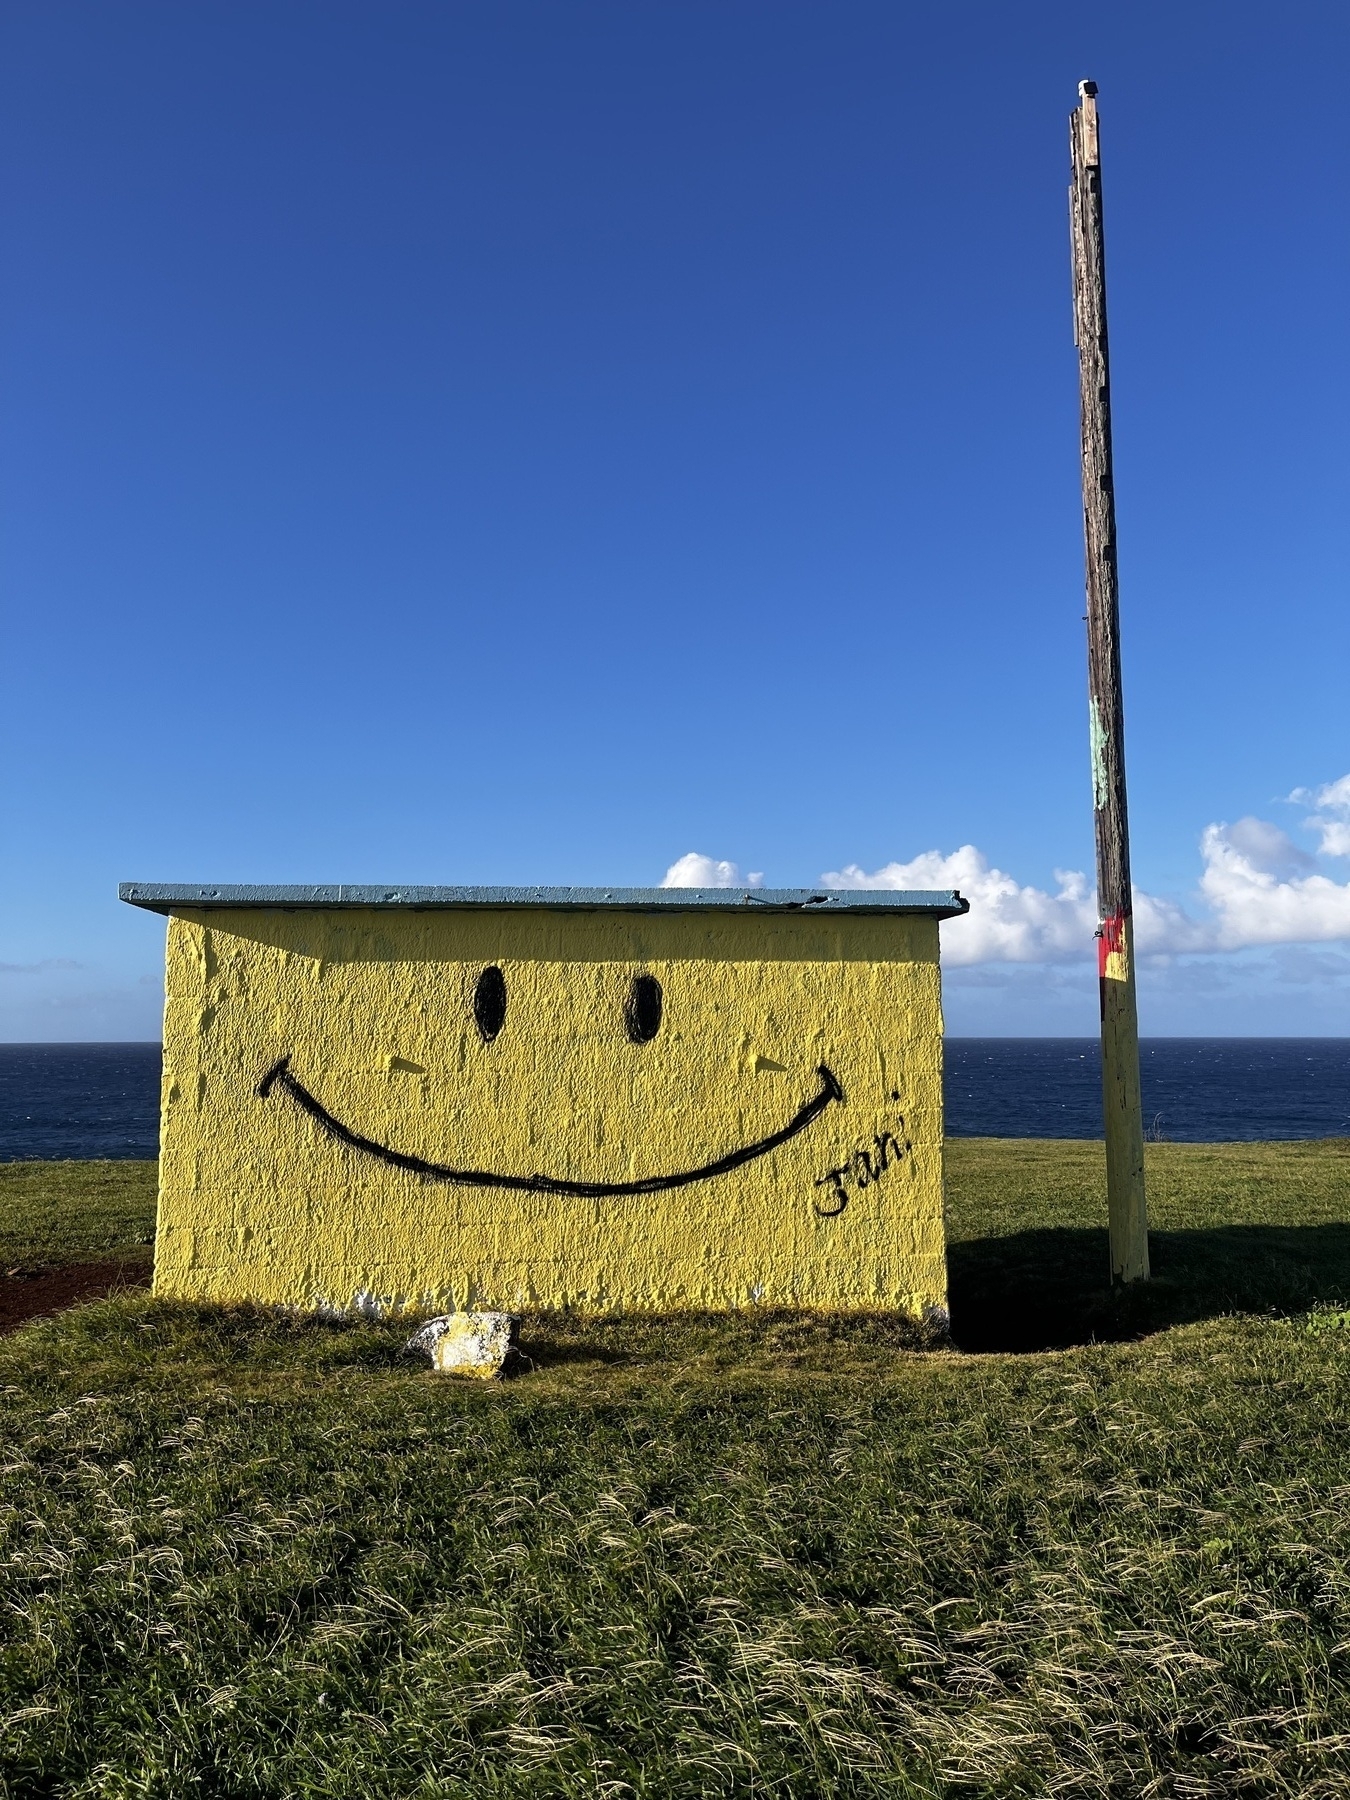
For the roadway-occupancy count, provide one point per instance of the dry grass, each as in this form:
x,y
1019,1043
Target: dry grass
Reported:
x,y
770,1556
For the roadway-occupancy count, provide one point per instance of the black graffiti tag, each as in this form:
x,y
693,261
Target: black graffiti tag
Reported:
x,y
863,1169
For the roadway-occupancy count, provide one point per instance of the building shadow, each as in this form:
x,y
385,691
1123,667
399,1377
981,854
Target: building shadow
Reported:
x,y
1048,1290
540,1351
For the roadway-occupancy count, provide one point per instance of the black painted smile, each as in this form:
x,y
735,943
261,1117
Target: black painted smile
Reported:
x,y
279,1076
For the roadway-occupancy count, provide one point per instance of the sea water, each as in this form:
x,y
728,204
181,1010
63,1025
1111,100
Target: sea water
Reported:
x,y
95,1100
1195,1090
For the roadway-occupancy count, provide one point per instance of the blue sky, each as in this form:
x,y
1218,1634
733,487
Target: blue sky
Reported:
x,y
537,442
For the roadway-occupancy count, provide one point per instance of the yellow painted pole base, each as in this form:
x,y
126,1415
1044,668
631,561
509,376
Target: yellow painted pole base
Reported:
x,y
1122,1109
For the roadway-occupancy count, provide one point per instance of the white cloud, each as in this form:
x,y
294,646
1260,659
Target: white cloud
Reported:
x,y
1334,799
1266,847
1162,927
695,871
1006,922
1257,887
1333,794
1256,905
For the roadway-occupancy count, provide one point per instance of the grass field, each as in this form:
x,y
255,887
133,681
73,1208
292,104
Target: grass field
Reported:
x,y
772,1556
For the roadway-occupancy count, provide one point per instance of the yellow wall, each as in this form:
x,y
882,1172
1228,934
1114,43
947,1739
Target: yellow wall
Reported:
x,y
374,1009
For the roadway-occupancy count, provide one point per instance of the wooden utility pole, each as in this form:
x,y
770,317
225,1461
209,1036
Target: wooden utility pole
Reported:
x,y
1115,934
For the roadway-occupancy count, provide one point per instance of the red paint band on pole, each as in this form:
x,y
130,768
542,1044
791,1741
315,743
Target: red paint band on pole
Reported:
x,y
1111,943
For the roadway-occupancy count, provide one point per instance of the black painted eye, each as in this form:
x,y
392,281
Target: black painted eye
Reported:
x,y
489,1003
642,1009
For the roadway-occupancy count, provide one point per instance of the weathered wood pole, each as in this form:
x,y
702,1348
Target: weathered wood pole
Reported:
x,y
1115,934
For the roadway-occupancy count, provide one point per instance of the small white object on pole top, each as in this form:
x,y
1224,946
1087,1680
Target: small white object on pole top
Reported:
x,y
1087,95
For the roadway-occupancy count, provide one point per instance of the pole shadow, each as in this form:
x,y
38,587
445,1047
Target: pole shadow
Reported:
x,y
1048,1289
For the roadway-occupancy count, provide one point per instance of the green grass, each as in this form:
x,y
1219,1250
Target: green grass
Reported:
x,y
1235,1228
767,1556
56,1213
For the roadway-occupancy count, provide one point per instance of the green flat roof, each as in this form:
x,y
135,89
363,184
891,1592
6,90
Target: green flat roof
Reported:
x,y
168,897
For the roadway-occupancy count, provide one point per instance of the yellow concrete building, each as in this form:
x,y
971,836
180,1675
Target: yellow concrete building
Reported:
x,y
426,1100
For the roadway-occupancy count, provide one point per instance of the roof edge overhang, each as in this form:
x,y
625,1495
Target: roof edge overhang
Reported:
x,y
171,897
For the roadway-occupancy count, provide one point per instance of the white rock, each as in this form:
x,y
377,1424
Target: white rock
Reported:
x,y
481,1344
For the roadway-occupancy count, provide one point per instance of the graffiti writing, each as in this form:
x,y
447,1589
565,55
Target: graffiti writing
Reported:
x,y
863,1169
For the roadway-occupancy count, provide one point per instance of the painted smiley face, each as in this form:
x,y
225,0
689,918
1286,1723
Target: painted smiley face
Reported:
x,y
643,1011
506,1107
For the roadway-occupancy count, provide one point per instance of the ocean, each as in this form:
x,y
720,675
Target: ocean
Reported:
x,y
94,1100
1195,1090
